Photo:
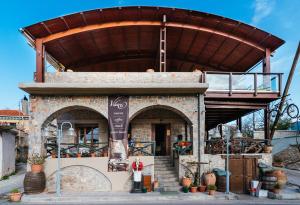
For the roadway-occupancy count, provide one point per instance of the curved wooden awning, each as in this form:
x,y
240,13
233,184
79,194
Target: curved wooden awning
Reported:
x,y
127,39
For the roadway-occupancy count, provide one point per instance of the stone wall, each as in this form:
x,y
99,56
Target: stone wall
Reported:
x,y
278,134
123,77
45,109
91,174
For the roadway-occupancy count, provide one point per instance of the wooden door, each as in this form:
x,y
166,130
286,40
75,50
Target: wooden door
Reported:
x,y
168,139
243,170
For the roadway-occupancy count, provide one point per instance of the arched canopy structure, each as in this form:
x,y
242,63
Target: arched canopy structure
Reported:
x,y
128,38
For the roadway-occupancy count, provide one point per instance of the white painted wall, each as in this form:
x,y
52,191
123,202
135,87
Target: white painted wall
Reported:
x,y
7,153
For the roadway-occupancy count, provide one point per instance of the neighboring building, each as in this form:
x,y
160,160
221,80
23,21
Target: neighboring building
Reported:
x,y
7,150
19,120
102,88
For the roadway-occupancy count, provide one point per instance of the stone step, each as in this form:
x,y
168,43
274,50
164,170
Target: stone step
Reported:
x,y
168,184
170,179
165,176
164,172
162,163
164,168
176,188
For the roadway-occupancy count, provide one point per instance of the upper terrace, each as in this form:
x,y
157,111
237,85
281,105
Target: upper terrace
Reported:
x,y
133,39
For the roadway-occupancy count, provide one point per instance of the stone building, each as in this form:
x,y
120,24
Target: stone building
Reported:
x,y
179,74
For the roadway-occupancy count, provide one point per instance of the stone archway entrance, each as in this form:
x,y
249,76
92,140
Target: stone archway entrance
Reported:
x,y
161,125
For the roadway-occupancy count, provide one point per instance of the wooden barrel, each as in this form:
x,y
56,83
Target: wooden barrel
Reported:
x,y
34,183
221,183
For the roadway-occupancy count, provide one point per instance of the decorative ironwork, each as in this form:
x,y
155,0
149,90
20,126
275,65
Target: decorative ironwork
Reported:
x,y
142,148
237,145
72,149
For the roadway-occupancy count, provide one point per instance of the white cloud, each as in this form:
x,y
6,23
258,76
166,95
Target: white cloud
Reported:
x,y
262,9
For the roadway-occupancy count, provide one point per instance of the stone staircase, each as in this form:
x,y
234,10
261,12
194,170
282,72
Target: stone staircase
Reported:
x,y
166,174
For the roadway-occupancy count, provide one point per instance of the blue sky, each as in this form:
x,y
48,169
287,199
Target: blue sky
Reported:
x,y
17,59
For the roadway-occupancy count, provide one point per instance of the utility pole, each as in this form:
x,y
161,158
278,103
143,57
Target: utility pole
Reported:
x,y
286,91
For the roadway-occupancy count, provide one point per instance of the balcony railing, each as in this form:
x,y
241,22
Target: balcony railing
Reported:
x,y
237,145
69,150
238,82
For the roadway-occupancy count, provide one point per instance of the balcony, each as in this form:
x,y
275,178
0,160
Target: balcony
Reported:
x,y
243,85
85,83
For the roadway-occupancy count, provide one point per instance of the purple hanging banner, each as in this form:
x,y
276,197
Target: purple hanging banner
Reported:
x,y
118,120
118,110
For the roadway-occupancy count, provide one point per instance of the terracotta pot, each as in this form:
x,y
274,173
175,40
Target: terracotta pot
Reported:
x,y
276,191
202,188
281,176
36,168
78,155
15,197
211,192
53,155
93,154
210,179
193,189
268,149
186,182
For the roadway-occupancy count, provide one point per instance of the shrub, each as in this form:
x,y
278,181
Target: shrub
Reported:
x,y
36,159
211,187
15,190
5,177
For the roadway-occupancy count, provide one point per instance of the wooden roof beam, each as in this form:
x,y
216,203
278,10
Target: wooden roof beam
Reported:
x,y
149,23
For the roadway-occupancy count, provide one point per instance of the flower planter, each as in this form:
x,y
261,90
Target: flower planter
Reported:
x,y
210,179
185,189
186,182
15,197
78,155
281,176
201,188
36,168
211,192
193,189
93,154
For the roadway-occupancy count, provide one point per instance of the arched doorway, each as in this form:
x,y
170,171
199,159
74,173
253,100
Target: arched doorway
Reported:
x,y
162,125
91,129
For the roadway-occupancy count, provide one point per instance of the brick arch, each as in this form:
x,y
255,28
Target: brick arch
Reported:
x,y
166,107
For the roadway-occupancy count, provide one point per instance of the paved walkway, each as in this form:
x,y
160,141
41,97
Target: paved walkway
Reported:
x,y
15,181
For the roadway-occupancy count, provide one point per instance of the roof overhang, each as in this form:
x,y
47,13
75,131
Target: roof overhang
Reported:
x,y
127,39
112,88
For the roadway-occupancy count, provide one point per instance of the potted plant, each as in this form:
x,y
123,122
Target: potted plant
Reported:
x,y
15,195
277,188
193,188
278,162
186,180
78,155
36,161
53,154
211,189
185,189
201,188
